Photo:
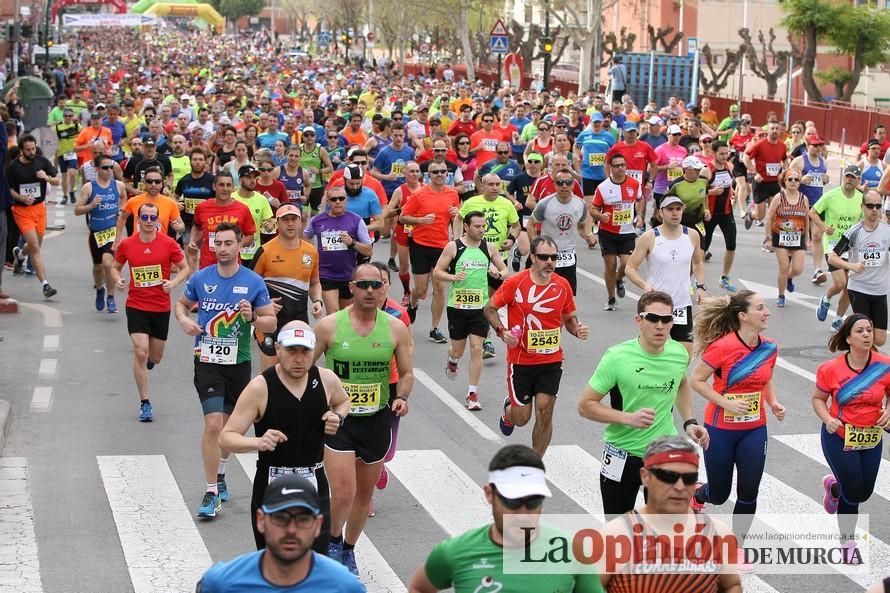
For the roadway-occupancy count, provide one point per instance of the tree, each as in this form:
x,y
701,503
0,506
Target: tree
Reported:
x,y
711,80
660,37
758,59
863,33
623,43
235,9
812,20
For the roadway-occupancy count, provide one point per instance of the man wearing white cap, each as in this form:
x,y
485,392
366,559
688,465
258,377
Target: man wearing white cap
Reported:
x,y
693,190
516,486
292,406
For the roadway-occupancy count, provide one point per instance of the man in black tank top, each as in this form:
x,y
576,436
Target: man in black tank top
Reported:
x,y
292,405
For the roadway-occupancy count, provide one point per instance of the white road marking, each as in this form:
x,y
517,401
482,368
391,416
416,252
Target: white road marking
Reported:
x,y
565,463
42,399
374,571
52,343
52,317
47,368
446,398
162,545
19,559
771,292
781,362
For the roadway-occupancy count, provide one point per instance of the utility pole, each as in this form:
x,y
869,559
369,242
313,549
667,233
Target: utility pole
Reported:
x,y
49,8
16,37
547,44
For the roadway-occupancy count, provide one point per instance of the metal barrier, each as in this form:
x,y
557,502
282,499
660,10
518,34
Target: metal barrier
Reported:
x,y
657,76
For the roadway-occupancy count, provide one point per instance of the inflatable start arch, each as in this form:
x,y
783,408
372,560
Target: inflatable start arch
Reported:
x,y
205,12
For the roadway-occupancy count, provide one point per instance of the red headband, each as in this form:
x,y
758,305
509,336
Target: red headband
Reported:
x,y
671,457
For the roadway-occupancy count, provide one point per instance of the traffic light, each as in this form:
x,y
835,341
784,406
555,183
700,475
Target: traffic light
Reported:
x,y
27,30
547,45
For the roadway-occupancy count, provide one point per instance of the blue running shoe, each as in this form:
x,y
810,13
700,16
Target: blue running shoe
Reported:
x,y
347,559
790,285
145,412
210,506
836,324
100,299
505,425
824,306
111,305
335,551
780,302
222,488
726,285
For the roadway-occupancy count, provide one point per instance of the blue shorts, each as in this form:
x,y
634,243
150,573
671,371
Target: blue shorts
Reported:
x,y
67,164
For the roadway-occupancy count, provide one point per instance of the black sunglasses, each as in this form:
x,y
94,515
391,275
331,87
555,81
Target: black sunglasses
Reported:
x,y
366,284
670,477
154,181
266,169
514,504
546,256
336,198
564,182
106,167
438,171
656,318
502,152
872,206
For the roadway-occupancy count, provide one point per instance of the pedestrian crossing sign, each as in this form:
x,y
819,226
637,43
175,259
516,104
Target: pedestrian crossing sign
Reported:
x,y
499,44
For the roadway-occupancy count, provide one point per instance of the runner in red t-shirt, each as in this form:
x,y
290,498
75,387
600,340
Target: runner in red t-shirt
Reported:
x,y
539,303
210,213
152,257
768,157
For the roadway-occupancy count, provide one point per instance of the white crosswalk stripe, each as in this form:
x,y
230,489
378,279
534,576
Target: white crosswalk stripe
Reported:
x,y
19,563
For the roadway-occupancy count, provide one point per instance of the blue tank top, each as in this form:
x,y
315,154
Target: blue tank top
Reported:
x,y
871,175
293,184
813,191
381,144
105,215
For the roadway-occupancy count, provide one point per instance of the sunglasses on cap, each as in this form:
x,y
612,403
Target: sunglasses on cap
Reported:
x,y
148,217
670,477
366,284
514,504
656,318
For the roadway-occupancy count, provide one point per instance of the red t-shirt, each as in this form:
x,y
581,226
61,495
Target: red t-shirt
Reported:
x,y
884,146
544,186
638,158
864,408
462,127
768,158
618,201
426,201
276,190
506,133
208,214
739,142
485,145
149,267
722,356
538,311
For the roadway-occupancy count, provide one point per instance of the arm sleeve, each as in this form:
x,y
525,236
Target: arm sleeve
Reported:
x,y
843,245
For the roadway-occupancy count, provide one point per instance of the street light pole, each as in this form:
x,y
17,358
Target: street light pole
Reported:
x,y
546,79
49,8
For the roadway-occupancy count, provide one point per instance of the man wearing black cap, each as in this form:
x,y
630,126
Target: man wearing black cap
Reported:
x,y
292,406
291,520
136,166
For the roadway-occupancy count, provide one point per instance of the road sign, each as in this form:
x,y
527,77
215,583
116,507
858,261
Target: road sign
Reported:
x,y
691,46
499,30
424,48
324,38
499,44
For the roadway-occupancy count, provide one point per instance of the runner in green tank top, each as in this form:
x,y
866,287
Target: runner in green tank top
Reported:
x,y
311,161
469,264
359,343
315,160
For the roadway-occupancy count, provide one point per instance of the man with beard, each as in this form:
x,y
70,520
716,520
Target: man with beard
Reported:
x,y
191,190
291,520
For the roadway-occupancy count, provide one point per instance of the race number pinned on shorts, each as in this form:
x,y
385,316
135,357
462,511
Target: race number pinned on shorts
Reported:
x,y
69,156
105,236
147,276
789,238
613,462
304,472
753,413
565,259
364,399
468,298
858,438
332,241
544,341
219,350
680,316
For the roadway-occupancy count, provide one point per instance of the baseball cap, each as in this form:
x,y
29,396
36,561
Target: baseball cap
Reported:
x,y
297,336
149,140
247,170
852,170
535,157
100,105
353,172
290,491
733,108
705,138
669,200
655,121
520,481
597,116
674,129
286,210
692,162
630,126
815,139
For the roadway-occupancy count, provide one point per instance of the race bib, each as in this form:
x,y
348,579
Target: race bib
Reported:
x,y
674,173
753,413
115,150
858,438
69,156
294,196
565,259
489,144
219,350
469,186
409,229
701,228
398,168
789,238
105,236
211,241
613,462
773,169
596,159
332,241
543,341
304,472
249,251
623,216
30,190
191,204
816,180
680,316
468,298
364,399
870,256
637,175
147,276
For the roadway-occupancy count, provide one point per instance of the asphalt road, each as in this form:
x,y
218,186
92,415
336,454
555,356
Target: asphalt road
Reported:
x,y
109,501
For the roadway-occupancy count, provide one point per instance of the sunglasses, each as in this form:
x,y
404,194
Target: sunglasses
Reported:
x,y
266,170
543,129
514,504
564,182
787,179
670,477
302,520
309,134
465,143
872,206
106,167
656,318
438,171
547,256
154,181
148,217
439,150
488,121
337,199
366,284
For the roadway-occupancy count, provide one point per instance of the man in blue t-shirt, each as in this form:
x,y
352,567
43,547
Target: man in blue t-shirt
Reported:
x,y
591,147
389,164
362,200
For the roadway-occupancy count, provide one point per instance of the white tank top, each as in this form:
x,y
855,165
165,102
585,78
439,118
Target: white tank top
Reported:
x,y
669,267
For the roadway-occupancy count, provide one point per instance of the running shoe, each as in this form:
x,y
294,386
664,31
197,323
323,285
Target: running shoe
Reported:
x,y
619,289
610,304
850,554
837,323
824,306
18,267
726,285
505,425
392,265
335,551
210,506
347,559
145,412
412,312
383,480
473,404
222,488
819,277
406,299
100,299
758,223
743,565
150,364
487,350
780,302
436,336
708,256
111,305
49,291
749,220
789,286
694,504
829,501
450,369
64,200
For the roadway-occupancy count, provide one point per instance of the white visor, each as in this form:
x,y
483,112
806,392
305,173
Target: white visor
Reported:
x,y
520,481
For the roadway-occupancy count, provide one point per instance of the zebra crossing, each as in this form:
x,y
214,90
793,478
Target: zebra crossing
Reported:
x,y
165,551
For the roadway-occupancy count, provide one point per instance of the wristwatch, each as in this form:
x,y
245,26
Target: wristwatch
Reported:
x,y
701,286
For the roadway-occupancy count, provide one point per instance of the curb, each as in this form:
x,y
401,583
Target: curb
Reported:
x,y
5,421
9,306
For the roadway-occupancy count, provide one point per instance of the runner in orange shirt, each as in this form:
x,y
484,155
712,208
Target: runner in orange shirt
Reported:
x,y
83,144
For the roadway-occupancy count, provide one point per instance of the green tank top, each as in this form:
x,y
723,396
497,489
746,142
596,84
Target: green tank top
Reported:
x,y
471,292
362,363
312,159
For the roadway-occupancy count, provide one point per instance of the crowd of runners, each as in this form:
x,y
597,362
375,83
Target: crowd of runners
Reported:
x,y
244,190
